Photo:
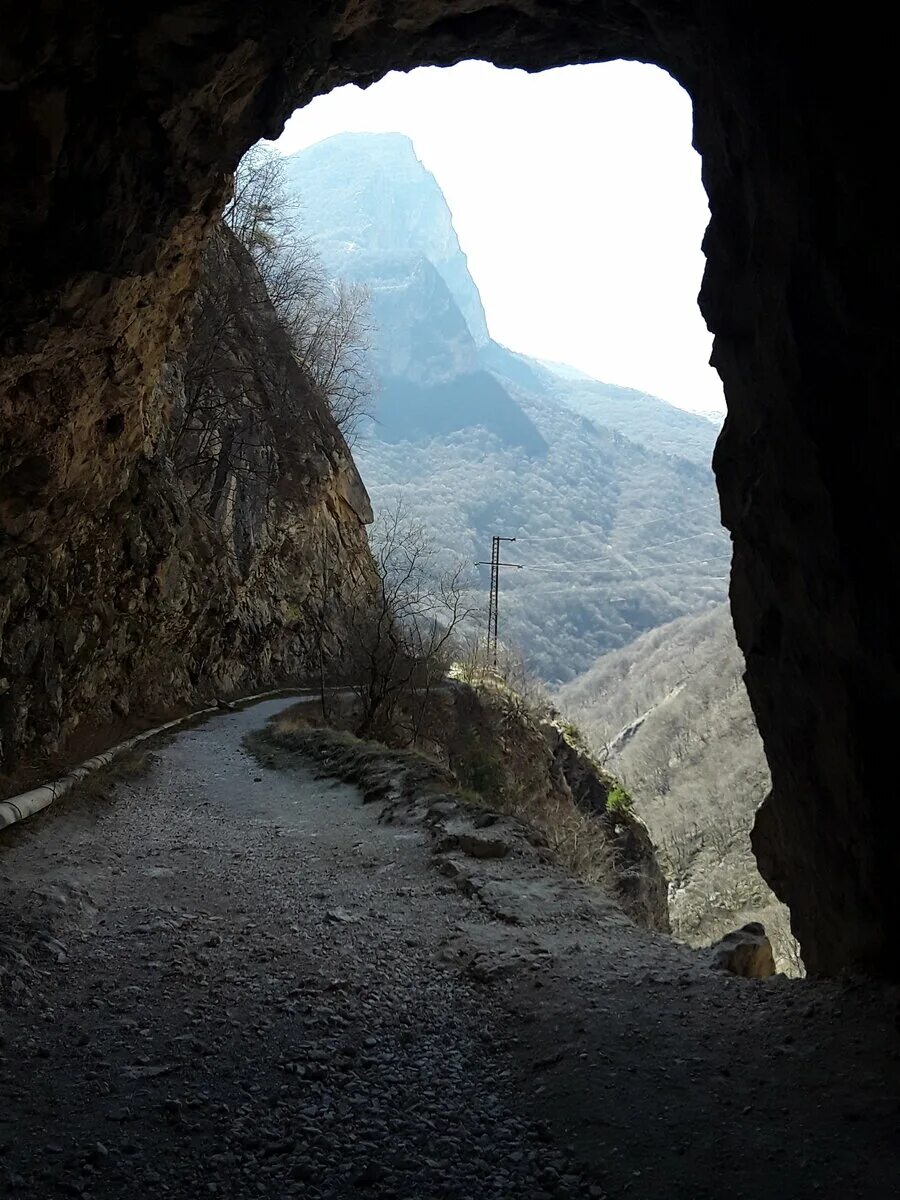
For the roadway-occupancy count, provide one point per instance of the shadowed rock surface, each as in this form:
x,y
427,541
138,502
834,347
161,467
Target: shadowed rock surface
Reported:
x,y
174,588
122,125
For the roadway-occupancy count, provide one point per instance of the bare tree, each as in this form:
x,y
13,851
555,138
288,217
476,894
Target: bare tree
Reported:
x,y
404,630
238,435
216,433
507,672
327,321
259,213
331,334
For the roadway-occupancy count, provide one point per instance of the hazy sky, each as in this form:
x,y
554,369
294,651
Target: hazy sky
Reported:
x,y
576,195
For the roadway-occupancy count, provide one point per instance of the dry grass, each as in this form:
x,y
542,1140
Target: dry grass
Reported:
x,y
516,784
577,840
580,844
100,783
498,749
381,773
295,720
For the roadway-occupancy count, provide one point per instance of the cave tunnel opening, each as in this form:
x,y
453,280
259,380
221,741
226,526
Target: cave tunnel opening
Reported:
x,y
105,210
271,990
506,229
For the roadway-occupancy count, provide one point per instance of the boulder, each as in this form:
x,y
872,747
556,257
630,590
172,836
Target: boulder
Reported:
x,y
467,838
746,951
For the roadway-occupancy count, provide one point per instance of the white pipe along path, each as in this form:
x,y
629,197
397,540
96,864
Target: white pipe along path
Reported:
x,y
26,804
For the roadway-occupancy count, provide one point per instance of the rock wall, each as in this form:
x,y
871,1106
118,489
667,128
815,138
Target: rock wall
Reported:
x,y
641,886
122,123
188,584
519,761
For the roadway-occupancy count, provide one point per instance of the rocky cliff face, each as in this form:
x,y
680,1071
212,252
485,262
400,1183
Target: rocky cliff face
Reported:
x,y
378,177
176,588
122,124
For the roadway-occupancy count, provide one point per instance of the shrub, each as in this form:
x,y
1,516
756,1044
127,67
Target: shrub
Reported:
x,y
618,800
479,768
573,735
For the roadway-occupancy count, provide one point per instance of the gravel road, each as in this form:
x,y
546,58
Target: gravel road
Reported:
x,y
229,980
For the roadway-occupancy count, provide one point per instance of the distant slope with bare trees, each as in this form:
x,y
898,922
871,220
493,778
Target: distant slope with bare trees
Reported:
x,y
670,715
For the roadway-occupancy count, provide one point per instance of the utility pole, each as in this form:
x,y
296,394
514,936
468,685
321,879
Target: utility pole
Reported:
x,y
494,600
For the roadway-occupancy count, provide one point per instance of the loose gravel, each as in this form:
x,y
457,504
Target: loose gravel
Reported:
x,y
230,988
229,980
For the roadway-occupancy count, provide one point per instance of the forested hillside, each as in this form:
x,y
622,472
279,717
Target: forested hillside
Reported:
x,y
583,514
670,716
608,492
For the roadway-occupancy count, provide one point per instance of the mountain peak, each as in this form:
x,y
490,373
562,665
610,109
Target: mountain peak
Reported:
x,y
371,190
386,147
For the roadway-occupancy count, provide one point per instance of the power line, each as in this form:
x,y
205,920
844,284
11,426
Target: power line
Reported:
x,y
565,537
639,547
594,590
587,564
614,555
618,581
643,549
566,565
688,537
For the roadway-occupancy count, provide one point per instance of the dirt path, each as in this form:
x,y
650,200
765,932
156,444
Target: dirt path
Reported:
x,y
235,981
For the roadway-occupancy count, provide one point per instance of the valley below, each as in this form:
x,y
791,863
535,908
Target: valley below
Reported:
x,y
669,716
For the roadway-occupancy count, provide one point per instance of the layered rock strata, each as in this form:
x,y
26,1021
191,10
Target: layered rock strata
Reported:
x,y
189,582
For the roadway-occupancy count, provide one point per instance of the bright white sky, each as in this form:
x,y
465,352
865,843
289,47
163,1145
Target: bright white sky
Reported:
x,y
576,195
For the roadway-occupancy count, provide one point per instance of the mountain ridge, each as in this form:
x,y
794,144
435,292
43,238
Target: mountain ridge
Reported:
x,y
480,439
390,226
